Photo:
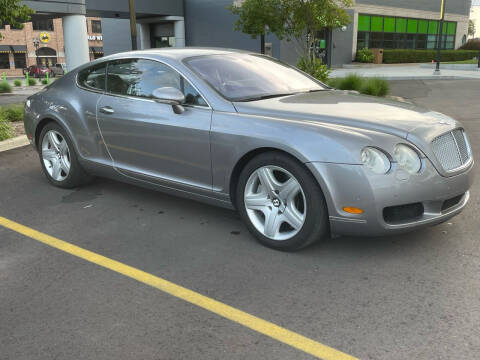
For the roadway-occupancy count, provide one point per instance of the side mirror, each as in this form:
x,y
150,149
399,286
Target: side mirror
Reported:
x,y
170,96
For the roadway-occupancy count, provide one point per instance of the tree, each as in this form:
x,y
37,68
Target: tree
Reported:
x,y
298,20
307,17
259,17
471,28
12,13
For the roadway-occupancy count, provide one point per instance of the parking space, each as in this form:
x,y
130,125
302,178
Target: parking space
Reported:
x,y
413,296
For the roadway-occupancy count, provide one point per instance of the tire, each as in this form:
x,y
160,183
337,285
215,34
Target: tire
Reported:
x,y
293,204
59,162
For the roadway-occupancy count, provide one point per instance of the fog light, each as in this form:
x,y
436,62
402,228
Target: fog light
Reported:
x,y
352,210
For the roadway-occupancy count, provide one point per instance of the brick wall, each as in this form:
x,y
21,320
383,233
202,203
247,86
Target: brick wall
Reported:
x,y
27,35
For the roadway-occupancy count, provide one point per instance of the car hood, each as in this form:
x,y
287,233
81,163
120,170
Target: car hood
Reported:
x,y
350,109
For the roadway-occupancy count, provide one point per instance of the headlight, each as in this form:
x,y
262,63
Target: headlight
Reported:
x,y
407,158
375,160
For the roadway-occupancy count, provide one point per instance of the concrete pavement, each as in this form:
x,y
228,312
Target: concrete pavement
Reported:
x,y
405,72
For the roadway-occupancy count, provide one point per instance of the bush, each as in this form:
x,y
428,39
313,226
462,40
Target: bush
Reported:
x,y
44,81
315,68
5,87
350,82
17,82
425,56
375,87
365,55
6,131
12,113
32,82
473,44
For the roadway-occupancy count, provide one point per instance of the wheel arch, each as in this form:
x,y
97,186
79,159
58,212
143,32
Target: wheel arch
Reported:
x,y
243,161
44,122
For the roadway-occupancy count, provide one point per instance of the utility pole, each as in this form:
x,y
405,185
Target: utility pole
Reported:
x,y
440,37
133,23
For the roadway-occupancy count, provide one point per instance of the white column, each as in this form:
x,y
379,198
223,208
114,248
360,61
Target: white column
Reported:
x,y
75,40
179,33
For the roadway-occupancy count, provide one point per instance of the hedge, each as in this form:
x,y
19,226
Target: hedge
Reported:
x,y
425,56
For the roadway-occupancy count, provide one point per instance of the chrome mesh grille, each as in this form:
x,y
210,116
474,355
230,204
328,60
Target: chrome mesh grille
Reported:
x,y
452,149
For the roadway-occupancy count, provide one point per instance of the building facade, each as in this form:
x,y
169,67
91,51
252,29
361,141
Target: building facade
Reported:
x,y
41,42
389,24
475,17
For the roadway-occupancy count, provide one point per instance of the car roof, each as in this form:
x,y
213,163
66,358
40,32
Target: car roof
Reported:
x,y
179,53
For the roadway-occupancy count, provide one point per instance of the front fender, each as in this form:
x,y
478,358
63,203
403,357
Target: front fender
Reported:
x,y
234,135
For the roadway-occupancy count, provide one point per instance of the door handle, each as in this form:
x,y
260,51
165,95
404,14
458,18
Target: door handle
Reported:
x,y
107,110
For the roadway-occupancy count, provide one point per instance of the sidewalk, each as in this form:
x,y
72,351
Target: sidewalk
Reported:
x,y
404,72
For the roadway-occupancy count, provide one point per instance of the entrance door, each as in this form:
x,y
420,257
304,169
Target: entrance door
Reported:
x,y
146,139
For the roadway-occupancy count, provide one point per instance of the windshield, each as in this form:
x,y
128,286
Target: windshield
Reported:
x,y
246,77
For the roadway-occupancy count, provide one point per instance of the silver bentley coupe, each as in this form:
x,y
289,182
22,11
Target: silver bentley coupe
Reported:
x,y
298,160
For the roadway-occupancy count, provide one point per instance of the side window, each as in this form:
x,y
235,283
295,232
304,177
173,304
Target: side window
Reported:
x,y
93,77
139,77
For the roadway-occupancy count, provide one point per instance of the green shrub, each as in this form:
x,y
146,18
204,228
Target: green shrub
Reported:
x,y
334,82
6,131
473,44
315,68
5,87
425,56
350,82
44,81
12,113
365,55
32,82
17,82
375,87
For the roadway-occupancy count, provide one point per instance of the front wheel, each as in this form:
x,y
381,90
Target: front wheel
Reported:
x,y
281,203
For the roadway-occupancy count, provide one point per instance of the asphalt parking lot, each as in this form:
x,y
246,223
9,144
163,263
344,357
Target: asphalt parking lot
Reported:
x,y
414,296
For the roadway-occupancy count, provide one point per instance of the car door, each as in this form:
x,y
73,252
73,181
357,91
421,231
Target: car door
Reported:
x,y
146,139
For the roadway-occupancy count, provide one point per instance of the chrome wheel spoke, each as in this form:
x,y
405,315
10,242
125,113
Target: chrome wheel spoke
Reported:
x,y
257,201
63,147
56,169
289,189
52,139
266,178
272,223
293,217
64,165
49,155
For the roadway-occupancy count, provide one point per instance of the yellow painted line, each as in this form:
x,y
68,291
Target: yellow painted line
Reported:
x,y
264,327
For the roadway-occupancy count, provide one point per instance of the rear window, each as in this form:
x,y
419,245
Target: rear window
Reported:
x,y
93,77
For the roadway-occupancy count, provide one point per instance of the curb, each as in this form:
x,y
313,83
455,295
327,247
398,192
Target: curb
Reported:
x,y
14,143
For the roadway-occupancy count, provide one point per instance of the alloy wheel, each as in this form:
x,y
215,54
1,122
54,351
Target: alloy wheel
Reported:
x,y
56,155
275,202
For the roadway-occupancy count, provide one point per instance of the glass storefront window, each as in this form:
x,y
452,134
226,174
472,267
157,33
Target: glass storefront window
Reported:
x,y
401,25
390,32
377,23
412,26
432,27
363,23
389,24
423,27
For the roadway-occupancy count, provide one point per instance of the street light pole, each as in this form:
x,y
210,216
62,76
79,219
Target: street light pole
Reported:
x,y
439,38
133,23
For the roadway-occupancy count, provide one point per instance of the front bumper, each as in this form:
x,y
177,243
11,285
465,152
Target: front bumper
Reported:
x,y
354,186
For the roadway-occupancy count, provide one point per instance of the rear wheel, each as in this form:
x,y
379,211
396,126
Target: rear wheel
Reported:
x,y
281,203
58,158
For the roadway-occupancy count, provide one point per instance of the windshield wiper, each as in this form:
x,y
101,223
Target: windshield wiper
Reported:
x,y
262,97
